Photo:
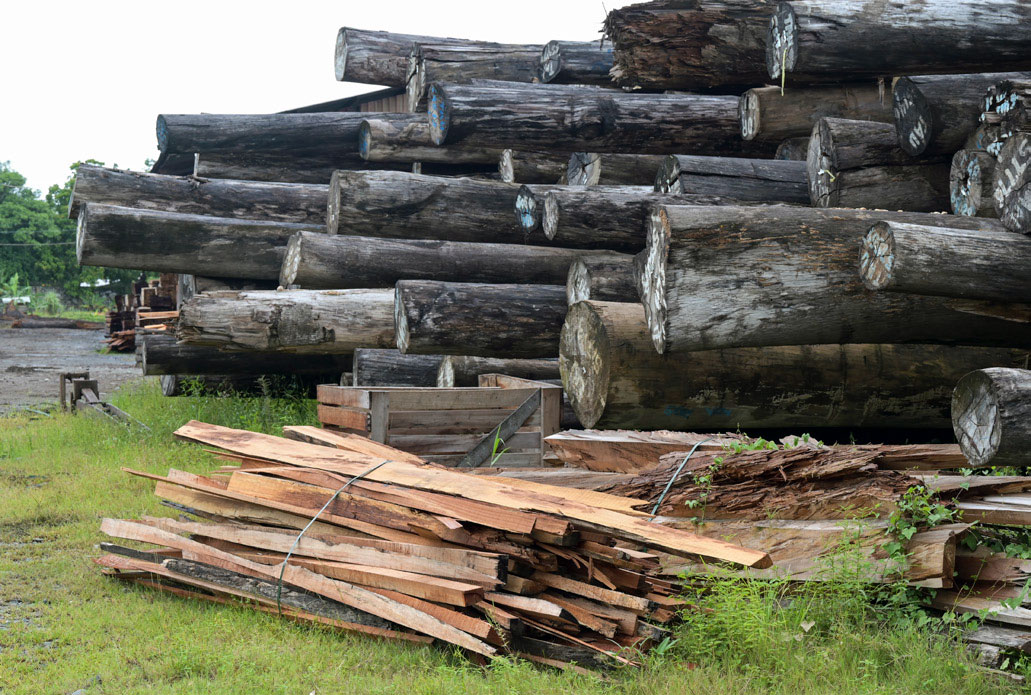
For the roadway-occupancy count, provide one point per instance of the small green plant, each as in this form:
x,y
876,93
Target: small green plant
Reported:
x,y
12,287
495,454
47,303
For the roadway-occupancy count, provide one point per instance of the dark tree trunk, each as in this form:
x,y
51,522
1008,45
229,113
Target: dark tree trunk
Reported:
x,y
429,62
858,164
759,180
294,321
173,164
279,202
283,167
593,169
767,113
575,62
377,57
824,40
991,416
1012,180
390,368
615,379
793,149
531,167
607,279
161,355
970,184
442,318
721,277
464,371
171,242
571,119
406,141
980,264
296,133
708,43
324,261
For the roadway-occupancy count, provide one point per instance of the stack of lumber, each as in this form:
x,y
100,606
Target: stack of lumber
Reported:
x,y
406,550
150,309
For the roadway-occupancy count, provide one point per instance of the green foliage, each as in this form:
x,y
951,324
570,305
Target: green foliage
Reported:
x,y
47,303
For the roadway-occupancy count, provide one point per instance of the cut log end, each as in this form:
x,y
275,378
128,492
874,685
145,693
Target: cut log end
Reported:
x,y
748,113
653,278
401,330
80,235
1012,170
446,373
162,133
333,204
667,179
291,261
578,286
1016,212
551,216
970,183
819,167
364,140
584,169
415,80
550,61
528,209
439,114
340,55
583,362
912,116
505,166
782,41
877,257
975,417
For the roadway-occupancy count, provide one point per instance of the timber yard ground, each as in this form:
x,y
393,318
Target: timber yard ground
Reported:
x,y
66,628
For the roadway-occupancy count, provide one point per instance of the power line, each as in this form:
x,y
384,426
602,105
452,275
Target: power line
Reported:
x,y
48,243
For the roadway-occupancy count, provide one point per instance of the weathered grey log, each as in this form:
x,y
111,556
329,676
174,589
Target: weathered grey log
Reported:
x,y
161,355
325,261
411,206
991,416
172,242
463,370
607,279
446,318
575,62
971,177
281,202
283,167
760,180
793,149
530,203
531,167
430,62
858,164
293,321
987,137
274,385
729,276
615,379
935,114
593,169
689,45
173,164
296,133
377,57
767,113
824,40
406,138
1011,178
557,118
969,264
188,285
374,367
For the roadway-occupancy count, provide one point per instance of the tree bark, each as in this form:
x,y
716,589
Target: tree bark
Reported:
x,y
575,62
793,149
767,113
531,167
430,62
324,261
377,57
406,138
279,202
571,119
444,318
161,355
1012,178
293,321
374,367
698,44
615,379
607,279
283,167
858,164
986,265
991,416
759,180
296,133
593,169
721,277
971,177
464,371
172,242
935,114
824,40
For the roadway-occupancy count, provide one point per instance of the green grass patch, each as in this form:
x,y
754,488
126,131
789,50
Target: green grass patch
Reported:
x,y
63,626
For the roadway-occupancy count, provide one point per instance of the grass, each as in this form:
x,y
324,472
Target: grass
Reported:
x,y
63,626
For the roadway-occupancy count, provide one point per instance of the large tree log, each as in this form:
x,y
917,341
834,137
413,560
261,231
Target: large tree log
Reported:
x,y
593,169
575,62
719,277
981,264
296,133
615,379
971,177
760,180
463,370
161,354
283,167
607,279
935,114
172,242
430,62
768,113
991,416
826,40
689,45
396,140
324,261
294,321
555,118
444,318
1012,181
374,367
531,167
280,202
377,57
858,164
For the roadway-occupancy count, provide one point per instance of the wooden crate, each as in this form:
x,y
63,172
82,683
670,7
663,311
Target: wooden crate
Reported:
x,y
444,424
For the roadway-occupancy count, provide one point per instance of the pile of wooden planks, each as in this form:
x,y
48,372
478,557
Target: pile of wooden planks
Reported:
x,y
150,309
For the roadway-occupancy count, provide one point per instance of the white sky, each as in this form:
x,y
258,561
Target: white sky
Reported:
x,y
88,78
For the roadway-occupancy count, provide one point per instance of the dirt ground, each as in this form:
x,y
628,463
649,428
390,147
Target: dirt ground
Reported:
x,y
32,359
